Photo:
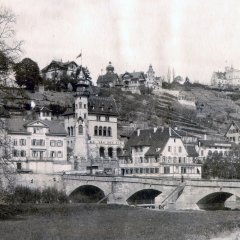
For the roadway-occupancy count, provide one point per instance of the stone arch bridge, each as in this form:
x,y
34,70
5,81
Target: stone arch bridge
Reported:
x,y
192,194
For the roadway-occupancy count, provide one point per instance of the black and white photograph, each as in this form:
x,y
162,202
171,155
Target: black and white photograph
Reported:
x,y
120,120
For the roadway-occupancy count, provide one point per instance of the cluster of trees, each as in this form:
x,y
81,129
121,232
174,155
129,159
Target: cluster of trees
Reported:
x,y
217,165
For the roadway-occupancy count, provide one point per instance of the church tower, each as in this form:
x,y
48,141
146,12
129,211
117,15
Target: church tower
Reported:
x,y
81,118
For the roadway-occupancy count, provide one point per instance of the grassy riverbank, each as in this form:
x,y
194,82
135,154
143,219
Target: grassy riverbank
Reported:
x,y
115,222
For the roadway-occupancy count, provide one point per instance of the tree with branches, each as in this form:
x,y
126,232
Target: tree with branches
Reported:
x,y
10,48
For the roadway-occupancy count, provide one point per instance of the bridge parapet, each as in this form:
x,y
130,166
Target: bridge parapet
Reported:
x,y
226,183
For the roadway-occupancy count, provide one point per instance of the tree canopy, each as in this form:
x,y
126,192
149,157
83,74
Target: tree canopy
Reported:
x,y
27,74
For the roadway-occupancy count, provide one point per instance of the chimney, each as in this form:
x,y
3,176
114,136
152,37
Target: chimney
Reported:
x,y
138,132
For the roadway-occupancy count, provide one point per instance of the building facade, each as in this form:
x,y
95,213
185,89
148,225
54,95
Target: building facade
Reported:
x,y
38,146
152,81
159,152
92,130
233,132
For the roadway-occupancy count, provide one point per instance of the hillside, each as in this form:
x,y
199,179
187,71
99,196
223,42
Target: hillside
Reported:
x,y
214,110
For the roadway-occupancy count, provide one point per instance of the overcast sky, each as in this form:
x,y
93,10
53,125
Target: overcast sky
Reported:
x,y
193,37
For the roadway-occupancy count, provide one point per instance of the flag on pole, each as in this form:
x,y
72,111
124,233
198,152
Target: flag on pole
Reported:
x,y
79,55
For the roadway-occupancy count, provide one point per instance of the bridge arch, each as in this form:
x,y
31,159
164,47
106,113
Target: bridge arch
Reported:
x,y
87,194
144,196
214,201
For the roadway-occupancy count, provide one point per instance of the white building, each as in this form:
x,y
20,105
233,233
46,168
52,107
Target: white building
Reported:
x,y
38,146
159,152
92,130
229,78
152,81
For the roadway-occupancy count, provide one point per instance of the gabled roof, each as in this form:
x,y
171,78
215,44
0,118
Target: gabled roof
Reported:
x,y
19,126
135,75
107,78
156,139
59,64
102,106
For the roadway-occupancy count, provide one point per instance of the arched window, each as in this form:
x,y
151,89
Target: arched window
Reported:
x,y
68,131
119,151
101,152
100,131
109,131
105,131
80,129
71,131
95,130
110,152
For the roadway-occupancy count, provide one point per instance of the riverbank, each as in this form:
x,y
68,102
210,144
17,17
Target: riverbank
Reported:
x,y
92,221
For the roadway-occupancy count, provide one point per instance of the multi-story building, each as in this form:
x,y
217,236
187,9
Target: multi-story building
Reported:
x,y
110,79
159,152
152,81
233,132
38,146
208,147
229,78
92,129
56,69
133,81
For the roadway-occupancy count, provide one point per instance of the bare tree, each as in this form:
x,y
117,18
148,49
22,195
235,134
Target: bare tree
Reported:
x,y
10,48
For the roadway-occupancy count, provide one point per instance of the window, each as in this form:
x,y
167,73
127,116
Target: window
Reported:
x,y
166,170
59,143
85,106
52,154
71,131
107,118
151,170
110,152
156,170
59,154
141,159
22,142
147,170
34,154
80,105
183,170
95,130
15,142
19,166
15,153
38,142
169,148
80,129
23,153
100,131
109,131
52,143
101,152
105,131
68,131
99,118
84,115
180,149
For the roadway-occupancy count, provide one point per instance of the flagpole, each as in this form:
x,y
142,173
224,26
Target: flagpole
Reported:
x,y
81,58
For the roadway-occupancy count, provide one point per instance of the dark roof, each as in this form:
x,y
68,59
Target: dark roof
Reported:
x,y
69,111
19,125
107,78
212,143
156,139
133,75
59,64
102,106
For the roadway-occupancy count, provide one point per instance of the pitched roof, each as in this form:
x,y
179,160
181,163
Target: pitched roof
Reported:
x,y
69,111
59,64
156,139
19,125
213,143
102,106
133,75
107,78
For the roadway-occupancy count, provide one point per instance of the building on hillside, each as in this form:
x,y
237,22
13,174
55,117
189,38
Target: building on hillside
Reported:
x,y
92,130
233,132
152,81
229,78
208,147
133,82
56,69
109,79
159,152
38,146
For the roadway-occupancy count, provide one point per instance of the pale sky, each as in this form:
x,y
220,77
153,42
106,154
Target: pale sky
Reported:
x,y
195,37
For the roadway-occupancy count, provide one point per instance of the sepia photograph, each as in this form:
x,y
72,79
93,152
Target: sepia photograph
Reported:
x,y
120,120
